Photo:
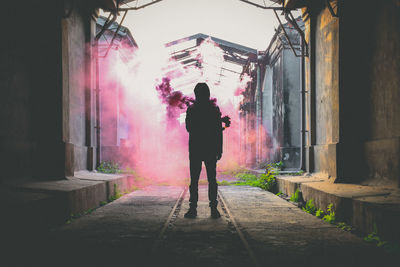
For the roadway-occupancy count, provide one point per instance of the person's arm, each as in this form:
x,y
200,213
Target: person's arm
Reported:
x,y
188,119
219,135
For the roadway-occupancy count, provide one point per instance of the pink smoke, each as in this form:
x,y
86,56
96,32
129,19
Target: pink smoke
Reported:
x,y
144,99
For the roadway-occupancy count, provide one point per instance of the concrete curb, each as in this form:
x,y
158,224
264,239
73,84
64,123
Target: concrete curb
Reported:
x,y
358,205
56,201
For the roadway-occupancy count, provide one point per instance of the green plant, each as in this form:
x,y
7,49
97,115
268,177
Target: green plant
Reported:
x,y
274,168
266,181
344,226
235,171
278,165
109,167
223,182
295,196
319,213
246,176
373,237
117,194
330,215
309,207
279,193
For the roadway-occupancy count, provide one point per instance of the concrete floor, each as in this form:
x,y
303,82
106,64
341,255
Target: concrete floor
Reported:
x,y
127,232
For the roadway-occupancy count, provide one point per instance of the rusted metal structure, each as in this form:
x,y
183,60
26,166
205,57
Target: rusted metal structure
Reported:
x,y
241,61
233,53
278,98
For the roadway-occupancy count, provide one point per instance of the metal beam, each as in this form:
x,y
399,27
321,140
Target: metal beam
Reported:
x,y
286,35
260,6
139,7
242,48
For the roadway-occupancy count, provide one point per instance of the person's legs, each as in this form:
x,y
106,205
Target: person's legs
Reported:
x,y
211,166
195,169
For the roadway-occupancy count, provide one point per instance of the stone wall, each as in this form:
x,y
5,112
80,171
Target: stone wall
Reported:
x,y
322,109
353,93
370,81
77,92
44,98
31,103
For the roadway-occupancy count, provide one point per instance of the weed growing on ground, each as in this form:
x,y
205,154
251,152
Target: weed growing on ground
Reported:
x,y
279,193
117,194
344,226
274,168
309,207
295,197
319,213
373,237
330,215
266,181
235,171
109,167
267,165
223,182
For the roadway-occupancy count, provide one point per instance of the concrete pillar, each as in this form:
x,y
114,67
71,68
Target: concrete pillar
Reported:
x,y
79,81
267,113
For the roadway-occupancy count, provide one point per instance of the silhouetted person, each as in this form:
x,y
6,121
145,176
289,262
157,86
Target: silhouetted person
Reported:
x,y
203,122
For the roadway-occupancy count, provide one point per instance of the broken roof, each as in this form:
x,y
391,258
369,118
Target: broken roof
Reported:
x,y
235,56
123,32
280,40
234,53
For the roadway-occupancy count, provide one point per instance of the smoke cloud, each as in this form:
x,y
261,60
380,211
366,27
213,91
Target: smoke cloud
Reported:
x,y
144,100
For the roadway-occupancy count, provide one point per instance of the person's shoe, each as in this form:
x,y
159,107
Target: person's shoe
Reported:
x,y
191,213
215,213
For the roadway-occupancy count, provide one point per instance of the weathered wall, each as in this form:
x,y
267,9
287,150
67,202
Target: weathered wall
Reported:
x,y
370,95
277,100
247,115
352,81
42,80
31,103
291,97
326,131
281,105
74,73
267,113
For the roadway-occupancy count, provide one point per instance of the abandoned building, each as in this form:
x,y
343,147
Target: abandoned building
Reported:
x,y
111,108
272,103
323,98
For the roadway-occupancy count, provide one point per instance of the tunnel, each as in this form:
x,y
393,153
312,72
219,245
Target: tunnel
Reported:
x,y
95,149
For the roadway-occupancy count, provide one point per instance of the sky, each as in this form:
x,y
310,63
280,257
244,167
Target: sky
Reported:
x,y
230,20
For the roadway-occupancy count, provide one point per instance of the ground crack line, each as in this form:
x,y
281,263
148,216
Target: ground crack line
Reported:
x,y
233,222
171,218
